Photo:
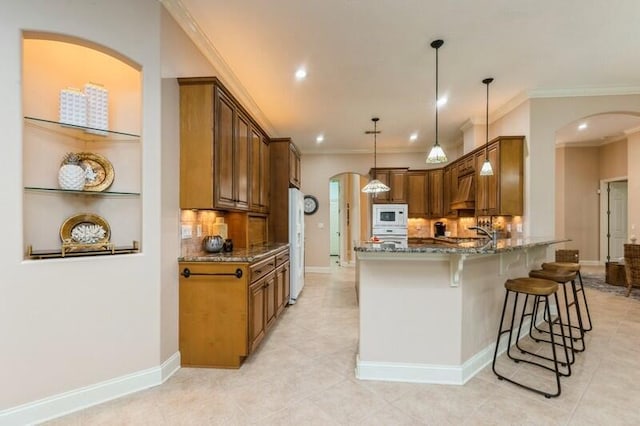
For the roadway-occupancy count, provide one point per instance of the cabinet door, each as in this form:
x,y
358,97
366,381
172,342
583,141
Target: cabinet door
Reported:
x,y
224,149
264,175
382,197
449,189
241,163
492,189
196,147
280,302
257,317
287,283
255,165
270,299
417,193
436,206
398,179
294,167
481,186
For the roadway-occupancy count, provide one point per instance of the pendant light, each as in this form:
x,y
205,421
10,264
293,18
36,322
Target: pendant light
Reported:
x,y
486,169
374,186
436,155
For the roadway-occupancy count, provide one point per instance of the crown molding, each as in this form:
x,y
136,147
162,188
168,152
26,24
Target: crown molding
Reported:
x,y
632,131
591,91
186,21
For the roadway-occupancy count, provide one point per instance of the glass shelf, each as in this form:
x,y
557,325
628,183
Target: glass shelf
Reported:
x,y
92,193
81,132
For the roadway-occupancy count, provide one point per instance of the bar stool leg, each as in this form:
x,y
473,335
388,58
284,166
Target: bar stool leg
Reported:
x,y
586,305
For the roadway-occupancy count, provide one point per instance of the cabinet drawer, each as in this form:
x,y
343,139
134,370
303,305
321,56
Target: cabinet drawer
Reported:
x,y
210,270
262,268
282,257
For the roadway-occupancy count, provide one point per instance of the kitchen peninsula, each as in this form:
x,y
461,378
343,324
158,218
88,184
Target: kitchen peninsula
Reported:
x,y
429,313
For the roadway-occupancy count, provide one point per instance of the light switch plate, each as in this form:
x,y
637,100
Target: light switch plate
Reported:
x,y
199,230
186,231
518,227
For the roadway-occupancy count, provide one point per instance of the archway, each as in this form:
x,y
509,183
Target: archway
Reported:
x,y
348,215
592,172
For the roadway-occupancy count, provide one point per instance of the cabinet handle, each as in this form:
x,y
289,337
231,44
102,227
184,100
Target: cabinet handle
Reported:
x,y
186,272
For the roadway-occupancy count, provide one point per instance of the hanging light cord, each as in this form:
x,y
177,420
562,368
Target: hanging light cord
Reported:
x,y
438,47
487,81
486,152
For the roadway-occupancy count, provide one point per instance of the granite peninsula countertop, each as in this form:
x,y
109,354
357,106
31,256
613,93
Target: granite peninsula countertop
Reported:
x,y
456,246
249,255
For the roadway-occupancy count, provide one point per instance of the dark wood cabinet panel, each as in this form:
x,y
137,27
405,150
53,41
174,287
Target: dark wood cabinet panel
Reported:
x,y
284,159
417,193
257,316
241,162
435,193
224,150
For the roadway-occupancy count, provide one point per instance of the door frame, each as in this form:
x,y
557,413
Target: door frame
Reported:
x,y
604,206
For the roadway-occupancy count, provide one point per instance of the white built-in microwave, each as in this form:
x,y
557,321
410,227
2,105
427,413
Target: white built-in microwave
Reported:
x,y
389,215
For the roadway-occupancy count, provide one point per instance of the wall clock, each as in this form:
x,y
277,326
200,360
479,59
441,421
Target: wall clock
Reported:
x,y
310,204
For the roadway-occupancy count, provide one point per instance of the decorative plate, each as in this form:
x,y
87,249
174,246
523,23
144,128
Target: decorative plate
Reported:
x,y
99,171
85,228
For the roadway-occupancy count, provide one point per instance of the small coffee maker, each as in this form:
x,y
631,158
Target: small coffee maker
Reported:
x,y
439,229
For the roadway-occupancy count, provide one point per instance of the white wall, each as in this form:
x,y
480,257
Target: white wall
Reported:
x,y
72,323
68,323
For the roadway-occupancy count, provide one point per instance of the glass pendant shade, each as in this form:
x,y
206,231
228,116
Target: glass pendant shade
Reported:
x,y
486,169
375,186
436,155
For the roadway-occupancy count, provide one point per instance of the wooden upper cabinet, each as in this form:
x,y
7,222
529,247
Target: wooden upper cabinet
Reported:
x,y
502,193
259,199
285,174
435,191
394,178
449,189
241,162
216,137
417,193
294,167
224,144
197,181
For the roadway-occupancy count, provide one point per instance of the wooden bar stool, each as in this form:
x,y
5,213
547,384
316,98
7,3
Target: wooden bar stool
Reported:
x,y
564,277
571,258
539,288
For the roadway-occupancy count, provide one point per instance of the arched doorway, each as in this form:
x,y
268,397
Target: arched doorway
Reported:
x,y
348,216
591,195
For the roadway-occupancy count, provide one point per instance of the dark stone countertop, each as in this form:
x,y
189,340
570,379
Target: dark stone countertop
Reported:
x,y
249,255
451,246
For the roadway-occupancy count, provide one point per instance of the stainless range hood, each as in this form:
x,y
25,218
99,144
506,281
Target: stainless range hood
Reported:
x,y
466,197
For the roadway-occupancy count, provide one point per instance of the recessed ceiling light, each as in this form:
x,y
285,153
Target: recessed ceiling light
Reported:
x,y
301,74
413,137
319,138
442,101
582,126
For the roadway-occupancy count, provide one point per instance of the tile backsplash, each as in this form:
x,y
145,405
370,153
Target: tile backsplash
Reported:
x,y
506,226
200,219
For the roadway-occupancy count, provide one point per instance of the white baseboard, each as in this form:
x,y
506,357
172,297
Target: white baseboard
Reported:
x,y
430,373
318,269
78,399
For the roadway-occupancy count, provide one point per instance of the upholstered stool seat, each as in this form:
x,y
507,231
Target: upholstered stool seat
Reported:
x,y
539,289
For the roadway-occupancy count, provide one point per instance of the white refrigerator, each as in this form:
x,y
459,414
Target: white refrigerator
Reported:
x,y
296,243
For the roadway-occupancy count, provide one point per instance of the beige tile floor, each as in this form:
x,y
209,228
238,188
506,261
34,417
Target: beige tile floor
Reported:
x,y
303,374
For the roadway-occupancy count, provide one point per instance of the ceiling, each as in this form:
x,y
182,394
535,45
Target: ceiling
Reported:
x,y
373,58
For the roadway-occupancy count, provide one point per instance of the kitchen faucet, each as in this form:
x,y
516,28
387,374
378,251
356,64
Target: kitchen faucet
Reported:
x,y
493,235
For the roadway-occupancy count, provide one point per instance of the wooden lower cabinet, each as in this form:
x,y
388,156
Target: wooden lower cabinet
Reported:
x,y
223,317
